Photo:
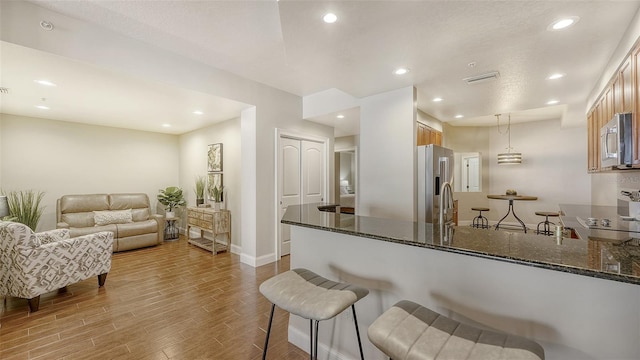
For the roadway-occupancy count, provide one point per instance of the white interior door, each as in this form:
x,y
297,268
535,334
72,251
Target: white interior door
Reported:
x,y
301,179
313,179
290,184
474,174
471,174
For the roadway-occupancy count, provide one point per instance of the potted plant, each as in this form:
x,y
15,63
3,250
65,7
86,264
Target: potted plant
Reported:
x,y
171,198
24,207
216,195
201,183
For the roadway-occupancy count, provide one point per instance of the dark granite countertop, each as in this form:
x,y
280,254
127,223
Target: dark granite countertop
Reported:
x,y
619,228
617,260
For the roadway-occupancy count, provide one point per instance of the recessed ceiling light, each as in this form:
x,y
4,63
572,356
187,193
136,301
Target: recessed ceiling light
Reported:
x,y
166,125
46,25
45,82
552,102
340,116
401,71
198,112
563,23
42,107
459,116
330,18
437,99
555,76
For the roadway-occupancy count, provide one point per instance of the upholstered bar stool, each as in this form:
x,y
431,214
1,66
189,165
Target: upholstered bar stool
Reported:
x,y
546,228
410,331
480,221
302,292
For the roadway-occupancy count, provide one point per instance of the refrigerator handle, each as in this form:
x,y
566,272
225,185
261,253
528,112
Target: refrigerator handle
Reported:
x,y
444,169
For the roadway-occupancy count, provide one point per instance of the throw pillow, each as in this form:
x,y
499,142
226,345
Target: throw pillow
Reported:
x,y
112,217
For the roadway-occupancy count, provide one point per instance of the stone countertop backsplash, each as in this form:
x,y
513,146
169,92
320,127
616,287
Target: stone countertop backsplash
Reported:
x,y
612,259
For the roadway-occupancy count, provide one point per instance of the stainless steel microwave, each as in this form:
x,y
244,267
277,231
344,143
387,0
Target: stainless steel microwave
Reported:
x,y
616,142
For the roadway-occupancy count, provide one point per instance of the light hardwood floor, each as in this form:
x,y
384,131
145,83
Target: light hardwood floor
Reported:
x,y
172,301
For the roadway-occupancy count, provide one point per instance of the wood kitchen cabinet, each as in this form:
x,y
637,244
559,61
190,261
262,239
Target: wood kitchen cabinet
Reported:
x,y
635,96
620,95
428,135
593,146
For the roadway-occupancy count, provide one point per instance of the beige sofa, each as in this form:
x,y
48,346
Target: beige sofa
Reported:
x,y
127,216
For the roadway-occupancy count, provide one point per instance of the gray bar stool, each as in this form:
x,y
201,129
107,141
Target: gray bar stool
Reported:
x,y
304,293
480,221
410,331
546,229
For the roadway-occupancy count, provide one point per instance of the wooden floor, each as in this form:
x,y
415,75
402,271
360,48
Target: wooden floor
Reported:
x,y
173,301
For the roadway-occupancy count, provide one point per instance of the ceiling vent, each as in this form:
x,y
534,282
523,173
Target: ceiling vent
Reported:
x,y
4,90
490,76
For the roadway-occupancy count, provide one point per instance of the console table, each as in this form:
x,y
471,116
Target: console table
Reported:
x,y
217,222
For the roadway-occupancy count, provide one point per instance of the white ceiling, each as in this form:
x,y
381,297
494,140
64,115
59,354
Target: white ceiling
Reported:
x,y
89,94
286,45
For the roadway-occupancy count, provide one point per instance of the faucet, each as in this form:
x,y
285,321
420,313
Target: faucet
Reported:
x,y
446,204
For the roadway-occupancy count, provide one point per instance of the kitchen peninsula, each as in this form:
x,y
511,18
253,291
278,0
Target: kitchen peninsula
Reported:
x,y
524,284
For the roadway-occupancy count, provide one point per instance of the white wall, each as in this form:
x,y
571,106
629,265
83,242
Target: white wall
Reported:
x,y
193,163
554,163
429,120
62,158
387,155
346,142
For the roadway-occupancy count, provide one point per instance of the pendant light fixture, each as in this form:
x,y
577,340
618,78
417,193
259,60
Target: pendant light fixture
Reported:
x,y
508,158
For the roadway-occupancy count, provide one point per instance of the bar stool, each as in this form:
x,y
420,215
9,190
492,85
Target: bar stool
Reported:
x,y
480,221
410,331
546,229
304,293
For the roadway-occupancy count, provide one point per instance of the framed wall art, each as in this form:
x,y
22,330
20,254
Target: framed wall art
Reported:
x,y
214,158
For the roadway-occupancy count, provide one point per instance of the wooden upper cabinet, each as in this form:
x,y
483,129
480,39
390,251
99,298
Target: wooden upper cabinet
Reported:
x,y
635,96
607,105
428,135
591,147
623,94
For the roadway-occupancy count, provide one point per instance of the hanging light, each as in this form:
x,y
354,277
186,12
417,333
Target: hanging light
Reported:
x,y
508,158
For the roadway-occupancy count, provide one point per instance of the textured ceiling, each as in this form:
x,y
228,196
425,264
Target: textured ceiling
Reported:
x,y
286,45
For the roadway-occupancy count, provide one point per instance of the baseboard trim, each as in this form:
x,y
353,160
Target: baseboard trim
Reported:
x,y
257,261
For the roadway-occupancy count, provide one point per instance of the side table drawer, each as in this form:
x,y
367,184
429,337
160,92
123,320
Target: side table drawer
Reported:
x,y
205,225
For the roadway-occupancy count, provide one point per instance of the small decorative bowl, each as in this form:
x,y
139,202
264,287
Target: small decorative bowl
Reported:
x,y
511,192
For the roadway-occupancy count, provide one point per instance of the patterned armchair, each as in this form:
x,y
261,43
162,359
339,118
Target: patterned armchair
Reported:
x,y
32,264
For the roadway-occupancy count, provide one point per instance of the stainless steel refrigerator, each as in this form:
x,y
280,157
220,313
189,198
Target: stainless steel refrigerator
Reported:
x,y
435,178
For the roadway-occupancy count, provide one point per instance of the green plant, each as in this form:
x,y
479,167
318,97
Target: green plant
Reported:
x,y
216,193
201,183
171,198
24,207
